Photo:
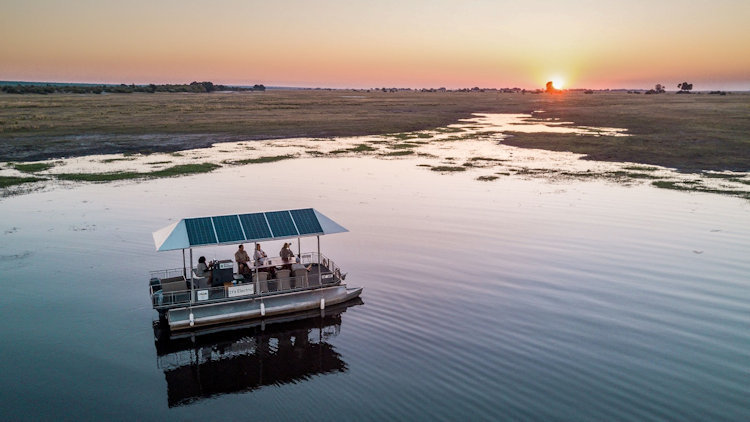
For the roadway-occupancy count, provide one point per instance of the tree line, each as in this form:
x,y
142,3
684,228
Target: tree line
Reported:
x,y
195,87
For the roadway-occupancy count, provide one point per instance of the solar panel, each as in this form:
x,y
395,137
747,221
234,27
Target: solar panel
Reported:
x,y
200,231
255,226
307,222
228,228
281,223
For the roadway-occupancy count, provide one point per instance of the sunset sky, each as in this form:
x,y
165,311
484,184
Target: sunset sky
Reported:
x,y
362,44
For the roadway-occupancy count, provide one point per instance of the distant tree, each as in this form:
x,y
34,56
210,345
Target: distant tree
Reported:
x,y
550,86
259,87
685,87
659,88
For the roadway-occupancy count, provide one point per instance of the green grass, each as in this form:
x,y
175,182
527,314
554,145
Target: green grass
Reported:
x,y
398,153
33,167
266,159
362,148
641,168
112,160
697,187
173,171
405,145
6,181
498,160
447,168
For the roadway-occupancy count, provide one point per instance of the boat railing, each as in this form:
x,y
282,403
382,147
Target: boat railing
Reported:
x,y
240,289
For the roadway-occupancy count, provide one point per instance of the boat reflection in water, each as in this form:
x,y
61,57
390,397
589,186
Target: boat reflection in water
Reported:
x,y
241,358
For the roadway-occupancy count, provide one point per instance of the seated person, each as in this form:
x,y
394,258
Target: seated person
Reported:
x,y
242,259
204,270
259,256
298,266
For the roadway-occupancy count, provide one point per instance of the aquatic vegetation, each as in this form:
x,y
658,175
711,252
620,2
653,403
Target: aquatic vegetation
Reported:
x,y
6,181
362,148
487,178
266,159
128,157
398,153
641,168
339,151
695,186
159,162
314,153
405,145
487,159
179,170
33,167
447,168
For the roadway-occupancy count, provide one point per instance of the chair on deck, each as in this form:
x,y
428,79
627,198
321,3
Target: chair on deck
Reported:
x,y
200,282
262,279
283,279
300,279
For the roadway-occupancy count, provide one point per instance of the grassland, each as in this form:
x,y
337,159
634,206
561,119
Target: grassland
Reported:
x,y
689,132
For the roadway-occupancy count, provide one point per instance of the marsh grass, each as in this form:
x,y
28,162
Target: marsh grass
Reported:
x,y
641,168
405,145
112,160
179,170
398,153
498,160
362,148
7,181
33,167
447,168
687,132
260,160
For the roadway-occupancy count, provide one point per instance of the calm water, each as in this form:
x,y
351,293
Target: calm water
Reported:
x,y
511,299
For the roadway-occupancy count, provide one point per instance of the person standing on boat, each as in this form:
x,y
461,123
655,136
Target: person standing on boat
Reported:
x,y
242,259
286,254
259,255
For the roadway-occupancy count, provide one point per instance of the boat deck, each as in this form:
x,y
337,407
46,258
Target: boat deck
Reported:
x,y
169,290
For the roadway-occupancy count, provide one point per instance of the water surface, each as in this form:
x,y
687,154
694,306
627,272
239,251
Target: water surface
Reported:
x,y
514,299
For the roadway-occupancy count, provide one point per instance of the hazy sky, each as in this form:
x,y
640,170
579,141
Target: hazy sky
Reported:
x,y
352,43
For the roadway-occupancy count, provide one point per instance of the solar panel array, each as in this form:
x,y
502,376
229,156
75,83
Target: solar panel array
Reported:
x,y
252,227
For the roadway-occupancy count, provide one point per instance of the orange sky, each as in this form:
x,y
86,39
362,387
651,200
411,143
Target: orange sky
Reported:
x,y
337,43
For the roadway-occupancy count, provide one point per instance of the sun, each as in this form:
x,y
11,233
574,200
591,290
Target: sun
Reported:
x,y
558,82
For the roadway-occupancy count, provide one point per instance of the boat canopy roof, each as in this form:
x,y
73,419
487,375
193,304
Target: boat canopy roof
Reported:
x,y
242,228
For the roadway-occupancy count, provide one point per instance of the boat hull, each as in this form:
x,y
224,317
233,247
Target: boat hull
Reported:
x,y
258,307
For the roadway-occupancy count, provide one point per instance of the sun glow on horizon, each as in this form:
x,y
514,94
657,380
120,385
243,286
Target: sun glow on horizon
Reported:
x,y
558,82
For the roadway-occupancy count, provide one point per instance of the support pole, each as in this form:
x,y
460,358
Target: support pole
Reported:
x,y
320,272
184,268
299,248
192,283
